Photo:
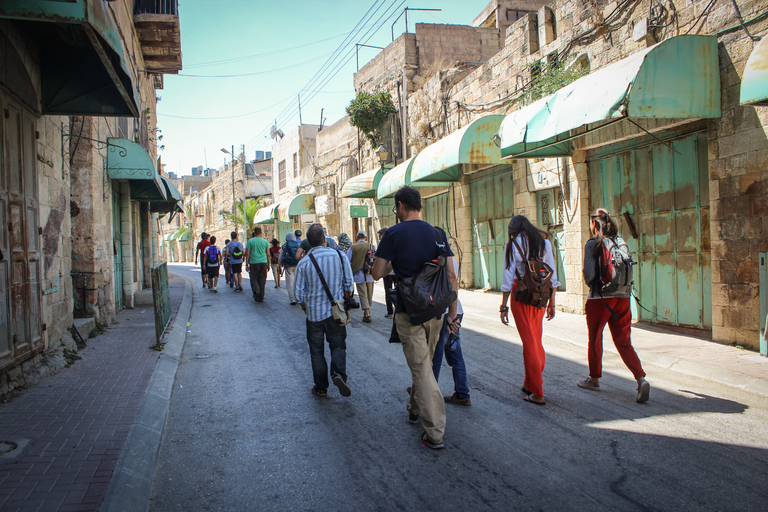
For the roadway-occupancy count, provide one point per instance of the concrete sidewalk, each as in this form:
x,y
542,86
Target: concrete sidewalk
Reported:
x,y
74,424
684,353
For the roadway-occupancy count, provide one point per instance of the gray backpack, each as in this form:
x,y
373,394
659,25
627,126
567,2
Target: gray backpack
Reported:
x,y
615,267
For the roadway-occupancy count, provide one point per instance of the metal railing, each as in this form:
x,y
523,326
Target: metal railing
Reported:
x,y
156,7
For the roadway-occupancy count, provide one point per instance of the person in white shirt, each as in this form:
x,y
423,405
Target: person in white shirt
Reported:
x,y
528,319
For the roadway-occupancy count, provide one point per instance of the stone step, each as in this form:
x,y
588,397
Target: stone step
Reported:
x,y
143,298
85,326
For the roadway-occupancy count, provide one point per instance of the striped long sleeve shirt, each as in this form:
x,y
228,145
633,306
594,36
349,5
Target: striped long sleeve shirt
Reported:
x,y
309,289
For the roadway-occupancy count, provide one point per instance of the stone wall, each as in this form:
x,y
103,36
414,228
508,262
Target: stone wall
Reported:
x,y
738,151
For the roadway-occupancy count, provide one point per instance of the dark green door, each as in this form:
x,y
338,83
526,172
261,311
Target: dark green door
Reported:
x,y
550,216
665,190
492,200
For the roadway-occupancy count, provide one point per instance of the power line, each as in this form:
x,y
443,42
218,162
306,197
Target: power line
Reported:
x,y
289,111
229,117
257,55
328,70
266,71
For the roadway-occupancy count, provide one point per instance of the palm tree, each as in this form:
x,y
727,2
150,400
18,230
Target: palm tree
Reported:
x,y
251,207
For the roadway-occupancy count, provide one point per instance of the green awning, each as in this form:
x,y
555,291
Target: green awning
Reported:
x,y
127,160
298,205
754,84
472,144
185,237
175,236
401,176
168,237
677,78
174,202
362,185
83,66
266,215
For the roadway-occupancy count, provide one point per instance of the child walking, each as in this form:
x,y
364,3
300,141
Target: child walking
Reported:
x,y
212,257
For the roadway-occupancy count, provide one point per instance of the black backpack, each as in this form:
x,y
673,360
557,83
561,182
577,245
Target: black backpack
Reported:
x,y
426,295
534,287
236,253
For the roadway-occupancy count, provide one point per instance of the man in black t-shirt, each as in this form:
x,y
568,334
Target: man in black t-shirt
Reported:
x,y
405,248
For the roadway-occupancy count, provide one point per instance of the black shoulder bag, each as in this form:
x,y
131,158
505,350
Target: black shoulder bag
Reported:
x,y
426,295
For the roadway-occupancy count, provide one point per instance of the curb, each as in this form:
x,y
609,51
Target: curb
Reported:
x,y
131,483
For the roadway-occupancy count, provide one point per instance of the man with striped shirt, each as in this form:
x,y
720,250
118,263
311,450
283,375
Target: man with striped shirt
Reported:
x,y
310,293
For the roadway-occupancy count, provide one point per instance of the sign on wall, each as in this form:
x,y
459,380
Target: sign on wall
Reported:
x,y
358,211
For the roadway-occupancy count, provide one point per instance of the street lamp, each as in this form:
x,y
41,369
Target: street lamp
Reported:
x,y
383,155
234,198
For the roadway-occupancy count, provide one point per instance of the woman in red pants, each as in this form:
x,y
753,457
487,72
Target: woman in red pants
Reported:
x,y
528,319
605,306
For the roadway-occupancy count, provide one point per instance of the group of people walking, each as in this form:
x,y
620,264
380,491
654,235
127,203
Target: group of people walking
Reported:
x,y
321,275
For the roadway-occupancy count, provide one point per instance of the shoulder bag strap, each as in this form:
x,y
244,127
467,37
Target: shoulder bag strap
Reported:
x,y
322,278
442,251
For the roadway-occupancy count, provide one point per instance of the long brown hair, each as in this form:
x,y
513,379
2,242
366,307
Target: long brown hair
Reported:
x,y
534,238
606,228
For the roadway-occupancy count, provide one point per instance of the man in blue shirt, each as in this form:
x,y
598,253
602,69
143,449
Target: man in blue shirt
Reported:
x,y
310,293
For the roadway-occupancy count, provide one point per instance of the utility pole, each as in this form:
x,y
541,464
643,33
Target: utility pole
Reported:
x,y
245,221
234,199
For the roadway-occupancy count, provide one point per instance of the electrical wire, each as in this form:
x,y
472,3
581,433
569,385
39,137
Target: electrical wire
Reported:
x,y
257,55
336,62
290,112
230,117
264,72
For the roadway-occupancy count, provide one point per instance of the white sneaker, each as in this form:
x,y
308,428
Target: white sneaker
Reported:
x,y
643,391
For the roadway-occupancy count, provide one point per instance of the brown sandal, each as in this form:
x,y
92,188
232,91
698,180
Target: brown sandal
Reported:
x,y
531,399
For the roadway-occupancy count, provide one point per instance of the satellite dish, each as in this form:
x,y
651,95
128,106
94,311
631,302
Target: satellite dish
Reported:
x,y
275,132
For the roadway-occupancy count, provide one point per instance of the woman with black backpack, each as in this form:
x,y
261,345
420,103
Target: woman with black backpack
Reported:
x,y
528,249
609,303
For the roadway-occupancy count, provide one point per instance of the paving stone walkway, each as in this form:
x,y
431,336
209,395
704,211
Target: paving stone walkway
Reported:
x,y
77,421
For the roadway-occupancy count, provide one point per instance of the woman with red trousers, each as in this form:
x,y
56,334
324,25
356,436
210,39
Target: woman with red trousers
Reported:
x,y
612,308
528,319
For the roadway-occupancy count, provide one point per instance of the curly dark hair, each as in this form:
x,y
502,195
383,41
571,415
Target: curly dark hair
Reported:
x,y
409,197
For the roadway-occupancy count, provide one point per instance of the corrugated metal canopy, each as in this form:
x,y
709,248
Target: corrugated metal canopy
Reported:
x,y
297,205
266,215
754,84
400,176
175,203
677,78
472,144
84,69
127,160
362,185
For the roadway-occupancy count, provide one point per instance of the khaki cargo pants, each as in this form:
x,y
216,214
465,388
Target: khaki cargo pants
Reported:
x,y
419,343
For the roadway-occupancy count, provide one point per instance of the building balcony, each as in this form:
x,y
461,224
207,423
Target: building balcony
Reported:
x,y
157,23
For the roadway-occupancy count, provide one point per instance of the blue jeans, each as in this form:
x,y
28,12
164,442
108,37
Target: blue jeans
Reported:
x,y
454,359
317,333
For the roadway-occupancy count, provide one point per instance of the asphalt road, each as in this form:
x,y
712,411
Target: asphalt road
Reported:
x,y
245,433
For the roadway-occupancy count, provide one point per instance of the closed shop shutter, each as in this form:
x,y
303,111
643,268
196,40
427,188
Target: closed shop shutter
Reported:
x,y
492,200
665,189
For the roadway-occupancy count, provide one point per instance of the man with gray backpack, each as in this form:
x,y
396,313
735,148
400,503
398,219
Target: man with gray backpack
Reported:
x,y
608,273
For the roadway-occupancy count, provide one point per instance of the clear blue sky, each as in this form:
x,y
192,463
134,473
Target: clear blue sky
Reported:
x,y
282,45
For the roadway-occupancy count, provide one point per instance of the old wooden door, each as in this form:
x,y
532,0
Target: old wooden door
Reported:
x,y
492,199
20,320
665,190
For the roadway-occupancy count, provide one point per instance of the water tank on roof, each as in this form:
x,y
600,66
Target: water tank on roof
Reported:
x,y
267,155
259,156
